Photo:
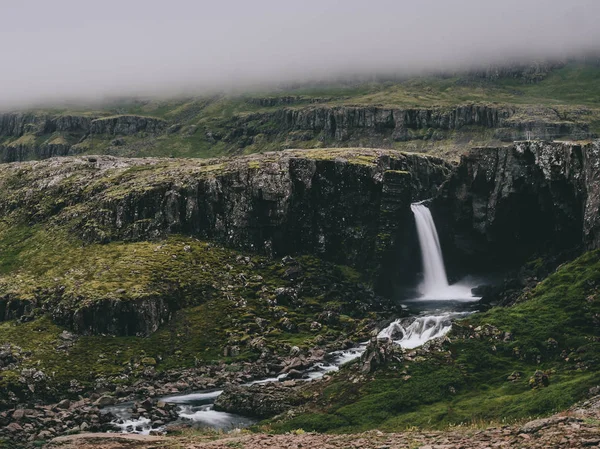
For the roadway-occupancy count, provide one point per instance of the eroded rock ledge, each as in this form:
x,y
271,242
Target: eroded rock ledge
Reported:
x,y
504,205
347,206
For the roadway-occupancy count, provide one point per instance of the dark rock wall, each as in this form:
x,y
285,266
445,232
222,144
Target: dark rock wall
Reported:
x,y
504,205
353,209
342,123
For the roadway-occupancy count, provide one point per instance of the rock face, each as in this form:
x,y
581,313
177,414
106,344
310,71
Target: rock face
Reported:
x,y
49,135
342,123
261,401
351,207
127,125
503,205
352,123
17,153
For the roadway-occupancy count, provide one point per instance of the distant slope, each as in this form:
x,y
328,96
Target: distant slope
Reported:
x,y
441,114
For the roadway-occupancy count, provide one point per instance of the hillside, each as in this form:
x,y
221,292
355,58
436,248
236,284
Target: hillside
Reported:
x,y
443,115
124,281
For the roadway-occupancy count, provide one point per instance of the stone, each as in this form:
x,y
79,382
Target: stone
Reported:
x,y
64,404
14,427
104,401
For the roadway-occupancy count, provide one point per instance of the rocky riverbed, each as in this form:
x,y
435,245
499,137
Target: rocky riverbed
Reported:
x,y
578,427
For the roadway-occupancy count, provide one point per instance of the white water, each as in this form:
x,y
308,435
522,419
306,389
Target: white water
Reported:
x,y
412,333
435,284
197,407
409,333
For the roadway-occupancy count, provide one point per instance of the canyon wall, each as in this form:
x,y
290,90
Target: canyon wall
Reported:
x,y
504,205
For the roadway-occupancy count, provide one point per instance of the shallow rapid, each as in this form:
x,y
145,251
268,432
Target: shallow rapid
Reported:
x,y
439,304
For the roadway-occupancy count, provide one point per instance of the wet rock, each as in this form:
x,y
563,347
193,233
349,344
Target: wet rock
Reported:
x,y
260,401
104,401
379,352
552,187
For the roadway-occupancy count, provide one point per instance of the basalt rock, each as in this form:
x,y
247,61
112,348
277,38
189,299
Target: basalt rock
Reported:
x,y
351,207
127,125
261,401
346,122
503,205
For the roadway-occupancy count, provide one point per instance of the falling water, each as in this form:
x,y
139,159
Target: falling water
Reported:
x,y
409,333
435,284
434,272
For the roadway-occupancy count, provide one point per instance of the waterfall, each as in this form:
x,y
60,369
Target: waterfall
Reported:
x,y
435,282
434,272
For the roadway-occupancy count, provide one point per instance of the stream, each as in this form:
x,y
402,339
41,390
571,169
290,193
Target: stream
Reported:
x,y
431,317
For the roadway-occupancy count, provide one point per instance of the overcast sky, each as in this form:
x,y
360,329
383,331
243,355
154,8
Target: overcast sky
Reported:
x,y
76,48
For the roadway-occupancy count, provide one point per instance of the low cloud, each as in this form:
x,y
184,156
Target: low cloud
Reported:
x,y
74,50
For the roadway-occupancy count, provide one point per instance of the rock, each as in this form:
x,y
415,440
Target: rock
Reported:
x,y
14,427
554,189
104,401
64,404
18,414
294,374
127,125
379,352
539,380
261,401
44,435
147,404
538,424
67,336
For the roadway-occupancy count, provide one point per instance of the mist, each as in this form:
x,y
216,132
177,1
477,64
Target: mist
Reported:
x,y
83,51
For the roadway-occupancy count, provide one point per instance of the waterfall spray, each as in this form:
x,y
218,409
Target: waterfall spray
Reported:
x,y
435,282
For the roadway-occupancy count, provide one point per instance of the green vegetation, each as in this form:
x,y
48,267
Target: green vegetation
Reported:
x,y
217,297
487,371
218,125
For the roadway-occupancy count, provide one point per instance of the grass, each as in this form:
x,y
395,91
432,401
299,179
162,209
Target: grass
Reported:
x,y
554,329
217,297
220,125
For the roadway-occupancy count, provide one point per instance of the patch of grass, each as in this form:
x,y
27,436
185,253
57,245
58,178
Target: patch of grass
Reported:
x,y
553,329
217,297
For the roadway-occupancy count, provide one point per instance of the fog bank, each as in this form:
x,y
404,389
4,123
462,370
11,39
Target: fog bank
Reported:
x,y
68,49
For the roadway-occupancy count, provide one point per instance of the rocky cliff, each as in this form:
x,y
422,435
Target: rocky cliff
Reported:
x,y
352,123
503,205
346,206
40,135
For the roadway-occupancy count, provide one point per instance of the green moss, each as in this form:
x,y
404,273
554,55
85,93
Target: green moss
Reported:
x,y
218,296
554,328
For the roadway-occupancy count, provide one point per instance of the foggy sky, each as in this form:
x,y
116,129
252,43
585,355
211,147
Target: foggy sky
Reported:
x,y
80,49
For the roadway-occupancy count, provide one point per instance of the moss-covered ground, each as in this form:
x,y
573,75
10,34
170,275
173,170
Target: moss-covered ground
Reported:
x,y
218,125
220,298
486,372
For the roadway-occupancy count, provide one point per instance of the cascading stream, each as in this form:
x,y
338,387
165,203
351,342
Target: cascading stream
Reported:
x,y
408,333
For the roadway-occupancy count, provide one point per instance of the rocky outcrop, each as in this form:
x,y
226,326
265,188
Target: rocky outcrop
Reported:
x,y
343,122
127,125
18,123
19,153
350,206
261,401
68,123
503,205
380,124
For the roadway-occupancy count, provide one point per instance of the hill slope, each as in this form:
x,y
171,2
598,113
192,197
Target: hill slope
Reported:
x,y
442,114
